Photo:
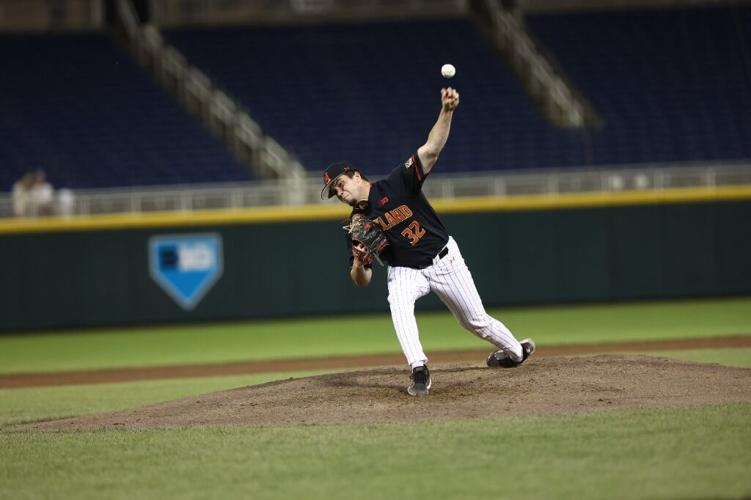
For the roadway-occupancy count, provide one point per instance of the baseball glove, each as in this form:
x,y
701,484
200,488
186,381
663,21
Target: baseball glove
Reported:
x,y
362,230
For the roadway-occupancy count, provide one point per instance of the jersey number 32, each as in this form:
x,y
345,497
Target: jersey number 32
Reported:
x,y
413,232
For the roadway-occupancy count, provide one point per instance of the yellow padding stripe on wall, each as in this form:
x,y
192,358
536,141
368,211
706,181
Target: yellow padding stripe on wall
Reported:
x,y
594,200
336,210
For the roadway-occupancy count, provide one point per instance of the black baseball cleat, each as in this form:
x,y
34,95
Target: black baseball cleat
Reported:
x,y
420,385
500,359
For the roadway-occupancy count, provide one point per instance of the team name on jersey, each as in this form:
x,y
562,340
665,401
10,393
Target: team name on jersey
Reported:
x,y
394,217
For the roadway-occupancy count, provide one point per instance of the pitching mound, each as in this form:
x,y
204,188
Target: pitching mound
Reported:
x,y
460,391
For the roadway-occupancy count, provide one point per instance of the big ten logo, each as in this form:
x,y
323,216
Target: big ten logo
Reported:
x,y
186,266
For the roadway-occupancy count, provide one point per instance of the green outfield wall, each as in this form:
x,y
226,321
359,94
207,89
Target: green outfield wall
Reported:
x,y
78,274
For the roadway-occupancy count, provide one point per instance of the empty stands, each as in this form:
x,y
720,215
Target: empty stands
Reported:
x,y
670,85
80,108
369,93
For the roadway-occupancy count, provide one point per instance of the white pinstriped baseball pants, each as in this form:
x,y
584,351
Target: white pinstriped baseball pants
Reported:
x,y
451,280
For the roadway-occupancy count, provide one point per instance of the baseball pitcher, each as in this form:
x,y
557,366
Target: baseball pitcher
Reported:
x,y
393,222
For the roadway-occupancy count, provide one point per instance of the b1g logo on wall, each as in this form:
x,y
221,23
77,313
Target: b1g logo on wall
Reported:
x,y
186,266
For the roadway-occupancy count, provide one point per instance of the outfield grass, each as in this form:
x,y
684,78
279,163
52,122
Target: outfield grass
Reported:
x,y
696,453
691,453
317,337
736,357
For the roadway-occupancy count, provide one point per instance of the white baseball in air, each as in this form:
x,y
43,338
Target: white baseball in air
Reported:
x,y
448,70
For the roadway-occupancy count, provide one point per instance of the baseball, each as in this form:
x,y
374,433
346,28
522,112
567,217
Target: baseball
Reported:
x,y
448,70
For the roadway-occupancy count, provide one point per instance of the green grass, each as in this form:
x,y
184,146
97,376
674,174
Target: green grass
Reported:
x,y
575,324
696,453
303,338
736,357
691,453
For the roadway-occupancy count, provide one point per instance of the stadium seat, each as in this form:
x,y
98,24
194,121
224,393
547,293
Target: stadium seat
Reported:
x,y
77,106
670,86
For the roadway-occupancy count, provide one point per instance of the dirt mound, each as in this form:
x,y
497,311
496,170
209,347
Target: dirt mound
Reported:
x,y
460,391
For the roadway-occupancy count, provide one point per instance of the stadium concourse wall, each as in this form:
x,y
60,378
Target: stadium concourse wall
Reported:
x,y
274,262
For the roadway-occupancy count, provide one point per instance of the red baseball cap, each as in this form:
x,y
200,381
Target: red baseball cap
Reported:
x,y
332,173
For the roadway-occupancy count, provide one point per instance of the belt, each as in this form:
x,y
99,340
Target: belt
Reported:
x,y
440,255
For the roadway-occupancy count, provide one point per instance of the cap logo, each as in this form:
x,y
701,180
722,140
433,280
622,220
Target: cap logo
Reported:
x,y
326,178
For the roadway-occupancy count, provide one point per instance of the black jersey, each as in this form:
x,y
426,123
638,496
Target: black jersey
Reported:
x,y
397,204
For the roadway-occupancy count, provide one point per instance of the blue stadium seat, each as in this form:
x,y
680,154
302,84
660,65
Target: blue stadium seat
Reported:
x,y
670,85
80,108
369,93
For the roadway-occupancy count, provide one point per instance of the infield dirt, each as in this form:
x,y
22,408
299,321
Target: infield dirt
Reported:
x,y
544,385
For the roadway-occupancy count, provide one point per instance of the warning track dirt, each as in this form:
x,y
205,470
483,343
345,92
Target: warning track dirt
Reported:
x,y
343,362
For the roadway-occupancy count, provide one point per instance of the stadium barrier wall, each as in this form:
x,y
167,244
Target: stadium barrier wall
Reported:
x,y
92,275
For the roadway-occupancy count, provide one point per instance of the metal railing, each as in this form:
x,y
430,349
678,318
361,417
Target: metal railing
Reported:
x,y
227,120
186,198
561,104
